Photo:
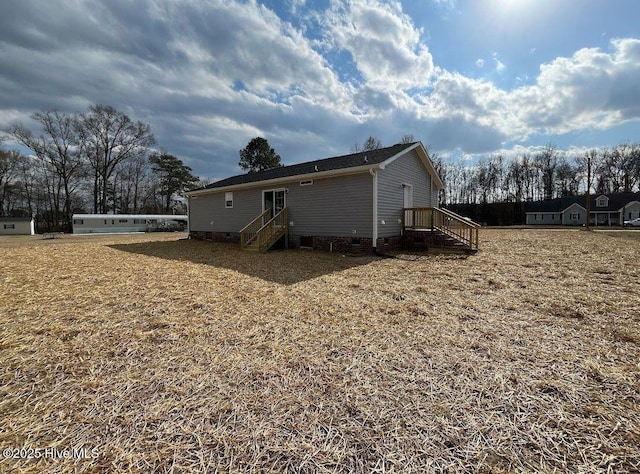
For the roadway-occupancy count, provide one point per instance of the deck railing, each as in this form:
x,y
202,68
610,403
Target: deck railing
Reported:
x,y
463,230
270,230
249,232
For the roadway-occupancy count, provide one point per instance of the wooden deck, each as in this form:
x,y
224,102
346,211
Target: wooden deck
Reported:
x,y
447,229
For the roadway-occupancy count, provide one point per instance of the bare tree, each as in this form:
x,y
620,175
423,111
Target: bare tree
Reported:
x,y
9,161
566,178
135,178
407,138
370,144
57,149
107,138
546,161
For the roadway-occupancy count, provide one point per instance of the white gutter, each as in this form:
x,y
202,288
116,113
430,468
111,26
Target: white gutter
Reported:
x,y
374,236
288,179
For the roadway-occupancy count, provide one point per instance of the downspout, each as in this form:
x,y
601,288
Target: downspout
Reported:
x,y
374,236
188,217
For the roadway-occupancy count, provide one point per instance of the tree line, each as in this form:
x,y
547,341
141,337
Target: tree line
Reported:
x,y
98,161
547,174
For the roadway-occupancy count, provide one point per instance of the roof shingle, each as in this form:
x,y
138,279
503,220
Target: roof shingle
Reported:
x,y
363,158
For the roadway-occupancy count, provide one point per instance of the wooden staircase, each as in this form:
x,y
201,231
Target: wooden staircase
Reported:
x,y
263,232
440,228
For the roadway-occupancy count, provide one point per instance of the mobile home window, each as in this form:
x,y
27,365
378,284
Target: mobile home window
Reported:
x,y
139,221
228,200
9,226
78,221
123,221
307,182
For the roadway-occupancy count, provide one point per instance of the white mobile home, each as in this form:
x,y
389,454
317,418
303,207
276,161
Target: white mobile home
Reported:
x,y
126,223
17,226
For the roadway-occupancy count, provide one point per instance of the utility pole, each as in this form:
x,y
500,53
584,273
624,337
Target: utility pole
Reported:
x,y
588,193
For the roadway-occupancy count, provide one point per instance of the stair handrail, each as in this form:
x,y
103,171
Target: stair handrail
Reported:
x,y
466,232
284,212
458,216
247,233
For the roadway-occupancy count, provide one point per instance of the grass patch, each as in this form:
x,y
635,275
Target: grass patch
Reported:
x,y
167,354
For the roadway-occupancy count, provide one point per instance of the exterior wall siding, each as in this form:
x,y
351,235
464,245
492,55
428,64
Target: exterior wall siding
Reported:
x,y
207,212
631,211
544,218
408,169
16,227
574,209
333,206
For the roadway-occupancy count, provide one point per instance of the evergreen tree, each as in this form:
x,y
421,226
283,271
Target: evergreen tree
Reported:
x,y
259,156
173,174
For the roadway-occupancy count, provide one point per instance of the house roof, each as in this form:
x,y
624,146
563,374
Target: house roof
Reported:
x,y
132,216
616,202
364,160
15,219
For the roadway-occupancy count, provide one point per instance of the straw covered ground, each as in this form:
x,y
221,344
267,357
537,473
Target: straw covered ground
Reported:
x,y
161,354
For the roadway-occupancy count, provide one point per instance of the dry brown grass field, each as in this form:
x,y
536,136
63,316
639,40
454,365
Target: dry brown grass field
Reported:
x,y
169,355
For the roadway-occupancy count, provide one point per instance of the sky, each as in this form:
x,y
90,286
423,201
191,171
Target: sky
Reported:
x,y
468,78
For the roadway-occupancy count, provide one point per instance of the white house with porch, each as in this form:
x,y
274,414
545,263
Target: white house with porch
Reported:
x,y
605,210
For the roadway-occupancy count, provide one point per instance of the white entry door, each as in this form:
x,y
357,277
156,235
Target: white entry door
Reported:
x,y
274,200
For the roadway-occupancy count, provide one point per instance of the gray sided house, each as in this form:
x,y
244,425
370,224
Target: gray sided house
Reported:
x,y
605,210
336,203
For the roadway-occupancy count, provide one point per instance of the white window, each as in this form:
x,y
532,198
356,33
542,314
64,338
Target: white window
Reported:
x,y
602,201
574,216
78,221
228,200
9,226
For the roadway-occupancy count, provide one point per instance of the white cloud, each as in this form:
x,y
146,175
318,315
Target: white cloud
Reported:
x,y
591,89
500,66
383,42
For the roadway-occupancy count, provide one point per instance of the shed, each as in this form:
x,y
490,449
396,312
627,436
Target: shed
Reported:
x,y
17,226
